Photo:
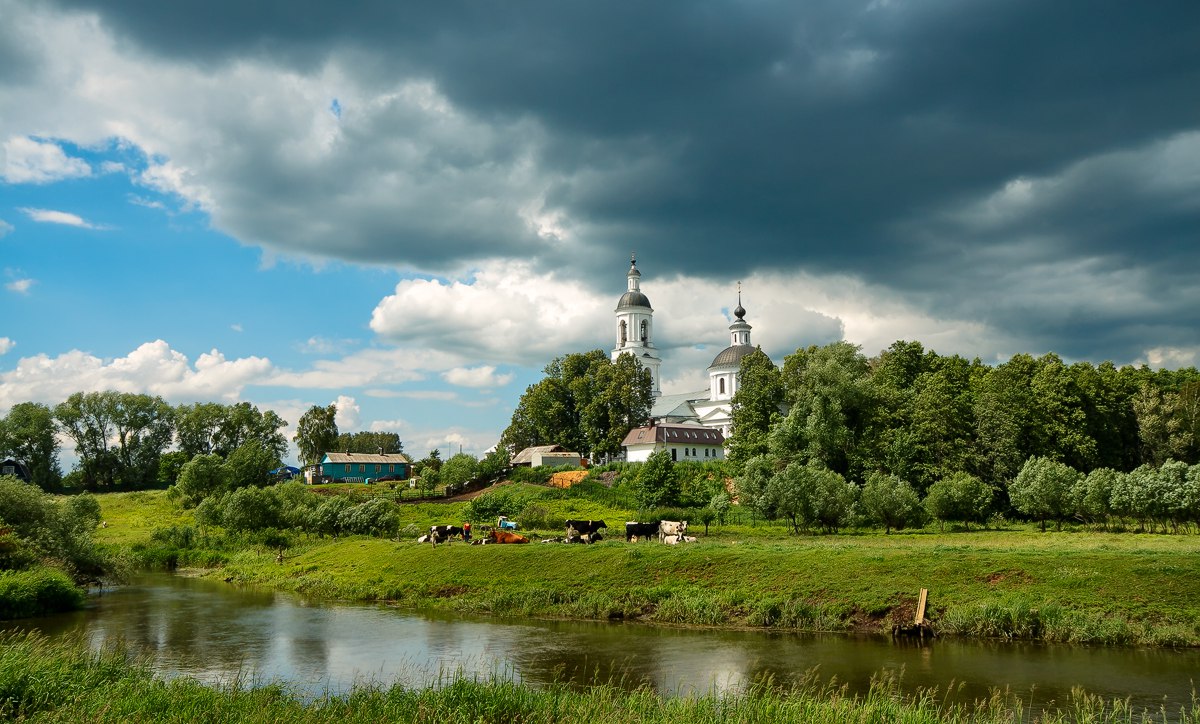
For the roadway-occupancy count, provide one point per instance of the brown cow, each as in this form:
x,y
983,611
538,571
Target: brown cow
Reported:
x,y
504,536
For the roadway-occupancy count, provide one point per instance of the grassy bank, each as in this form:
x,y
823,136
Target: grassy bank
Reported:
x,y
63,681
1016,583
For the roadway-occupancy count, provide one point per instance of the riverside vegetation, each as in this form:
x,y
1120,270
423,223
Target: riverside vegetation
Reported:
x,y
51,681
1005,580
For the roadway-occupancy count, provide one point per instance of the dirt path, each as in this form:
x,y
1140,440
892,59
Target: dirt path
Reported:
x,y
461,498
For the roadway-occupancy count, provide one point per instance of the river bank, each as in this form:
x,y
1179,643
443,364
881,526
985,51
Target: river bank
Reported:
x,y
1018,583
65,681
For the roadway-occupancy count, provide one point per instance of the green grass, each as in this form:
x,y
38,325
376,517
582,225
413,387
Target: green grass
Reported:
x,y
1013,583
63,681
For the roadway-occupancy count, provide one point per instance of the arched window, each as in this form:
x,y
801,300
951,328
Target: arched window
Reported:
x,y
624,331
721,383
645,330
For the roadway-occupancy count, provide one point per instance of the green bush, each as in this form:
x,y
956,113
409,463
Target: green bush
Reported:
x,y
37,592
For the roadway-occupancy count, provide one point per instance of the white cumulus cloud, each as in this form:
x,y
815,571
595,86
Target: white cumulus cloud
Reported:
x,y
484,376
153,368
30,161
349,414
51,216
5,228
6,344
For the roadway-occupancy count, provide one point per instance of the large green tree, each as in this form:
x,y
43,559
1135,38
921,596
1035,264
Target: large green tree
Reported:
x,y
371,441
27,434
209,427
757,405
586,403
118,436
316,433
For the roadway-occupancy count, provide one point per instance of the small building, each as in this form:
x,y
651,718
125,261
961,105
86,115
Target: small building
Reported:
x,y
346,467
552,455
16,468
685,441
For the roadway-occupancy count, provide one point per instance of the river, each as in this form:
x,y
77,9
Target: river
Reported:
x,y
220,633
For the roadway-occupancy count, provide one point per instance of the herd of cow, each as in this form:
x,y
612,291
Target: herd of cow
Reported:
x,y
668,532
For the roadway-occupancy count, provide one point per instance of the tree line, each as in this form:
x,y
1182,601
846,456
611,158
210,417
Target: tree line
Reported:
x,y
922,417
126,440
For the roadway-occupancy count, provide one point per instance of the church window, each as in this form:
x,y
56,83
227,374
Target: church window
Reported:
x,y
645,330
673,458
721,382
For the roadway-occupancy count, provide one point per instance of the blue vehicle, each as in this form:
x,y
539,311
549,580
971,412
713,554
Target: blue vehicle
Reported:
x,y
503,523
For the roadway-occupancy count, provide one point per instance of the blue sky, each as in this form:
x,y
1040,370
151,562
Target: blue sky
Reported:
x,y
410,210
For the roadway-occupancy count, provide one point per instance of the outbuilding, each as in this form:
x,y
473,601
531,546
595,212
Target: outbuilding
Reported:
x,y
347,467
553,455
686,442
15,468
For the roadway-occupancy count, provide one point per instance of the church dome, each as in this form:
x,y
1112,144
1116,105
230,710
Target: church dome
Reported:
x,y
633,299
731,356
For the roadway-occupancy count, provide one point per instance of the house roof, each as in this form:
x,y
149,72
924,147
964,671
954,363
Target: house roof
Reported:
x,y
685,434
676,406
343,457
526,455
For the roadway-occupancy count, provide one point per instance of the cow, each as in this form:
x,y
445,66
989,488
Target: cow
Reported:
x,y
439,533
671,529
584,528
641,531
504,536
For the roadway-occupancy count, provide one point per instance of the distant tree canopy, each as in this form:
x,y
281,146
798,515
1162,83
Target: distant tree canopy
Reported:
x,y
924,417
586,403
386,443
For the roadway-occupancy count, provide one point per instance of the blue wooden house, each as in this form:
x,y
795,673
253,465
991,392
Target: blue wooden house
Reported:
x,y
338,467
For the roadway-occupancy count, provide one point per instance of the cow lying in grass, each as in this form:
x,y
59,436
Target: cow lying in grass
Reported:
x,y
504,536
671,529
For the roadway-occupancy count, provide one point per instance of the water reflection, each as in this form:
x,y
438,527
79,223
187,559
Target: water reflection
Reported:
x,y
220,633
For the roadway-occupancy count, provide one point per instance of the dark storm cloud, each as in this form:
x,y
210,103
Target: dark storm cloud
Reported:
x,y
861,138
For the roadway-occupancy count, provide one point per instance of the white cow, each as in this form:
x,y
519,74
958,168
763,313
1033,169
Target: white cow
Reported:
x,y
671,529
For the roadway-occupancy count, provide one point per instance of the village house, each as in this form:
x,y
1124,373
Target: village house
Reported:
x,y
347,467
688,441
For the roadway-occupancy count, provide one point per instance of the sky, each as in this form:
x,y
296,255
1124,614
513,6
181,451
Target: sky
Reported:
x,y
408,209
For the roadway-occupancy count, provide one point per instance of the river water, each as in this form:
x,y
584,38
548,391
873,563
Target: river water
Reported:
x,y
220,633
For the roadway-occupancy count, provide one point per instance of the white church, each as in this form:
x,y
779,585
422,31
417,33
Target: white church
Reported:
x,y
693,425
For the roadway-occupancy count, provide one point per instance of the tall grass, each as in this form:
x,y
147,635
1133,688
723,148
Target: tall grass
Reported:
x,y
63,681
37,592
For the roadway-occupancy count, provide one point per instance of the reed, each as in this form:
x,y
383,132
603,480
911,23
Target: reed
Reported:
x,y
63,681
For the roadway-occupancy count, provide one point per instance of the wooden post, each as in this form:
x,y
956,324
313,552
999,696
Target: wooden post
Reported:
x,y
919,620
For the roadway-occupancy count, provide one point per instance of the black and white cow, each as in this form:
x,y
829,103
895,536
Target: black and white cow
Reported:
x,y
641,531
668,529
439,533
588,530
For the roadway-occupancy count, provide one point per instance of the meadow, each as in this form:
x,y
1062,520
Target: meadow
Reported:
x,y
1008,581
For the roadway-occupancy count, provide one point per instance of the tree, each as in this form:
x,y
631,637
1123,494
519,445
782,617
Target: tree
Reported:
x,y
316,433
27,433
88,420
657,484
250,464
720,505
250,508
891,502
1043,490
170,464
371,442
960,497
459,469
1091,496
144,427
757,406
199,478
586,403
196,427
753,485
209,427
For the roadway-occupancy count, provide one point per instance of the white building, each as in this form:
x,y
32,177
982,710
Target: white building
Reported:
x,y
711,408
689,441
635,327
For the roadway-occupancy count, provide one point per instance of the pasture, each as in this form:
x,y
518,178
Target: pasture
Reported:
x,y
1077,585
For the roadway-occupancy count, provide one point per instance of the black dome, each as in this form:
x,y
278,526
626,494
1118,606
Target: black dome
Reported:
x,y
731,355
633,299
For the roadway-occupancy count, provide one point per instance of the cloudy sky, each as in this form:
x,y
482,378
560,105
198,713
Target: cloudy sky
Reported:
x,y
409,208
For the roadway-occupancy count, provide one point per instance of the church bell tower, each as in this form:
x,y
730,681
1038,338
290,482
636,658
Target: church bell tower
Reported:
x,y
635,327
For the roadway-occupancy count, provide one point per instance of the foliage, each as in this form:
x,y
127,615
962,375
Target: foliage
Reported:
x,y
1042,490
756,406
199,478
372,517
657,482
250,508
371,442
37,592
170,465
891,502
27,434
41,528
250,464
212,428
459,469
586,403
118,436
316,433
960,498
